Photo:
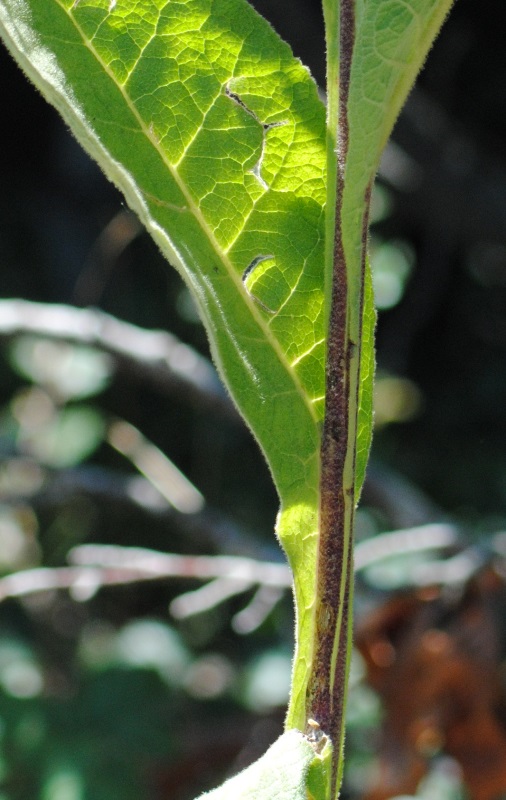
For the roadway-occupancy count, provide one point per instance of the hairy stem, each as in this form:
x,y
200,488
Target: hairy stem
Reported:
x,y
333,618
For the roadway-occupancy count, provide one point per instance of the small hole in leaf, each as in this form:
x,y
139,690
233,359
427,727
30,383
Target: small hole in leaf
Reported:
x,y
249,281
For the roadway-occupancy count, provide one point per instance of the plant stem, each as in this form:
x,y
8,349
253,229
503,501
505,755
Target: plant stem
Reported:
x,y
334,589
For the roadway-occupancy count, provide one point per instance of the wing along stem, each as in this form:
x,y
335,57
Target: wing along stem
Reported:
x,y
327,682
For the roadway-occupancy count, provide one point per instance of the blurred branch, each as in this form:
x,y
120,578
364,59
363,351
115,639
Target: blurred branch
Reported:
x,y
455,571
260,606
157,468
436,536
162,493
150,355
403,503
83,582
245,571
211,528
97,565
104,255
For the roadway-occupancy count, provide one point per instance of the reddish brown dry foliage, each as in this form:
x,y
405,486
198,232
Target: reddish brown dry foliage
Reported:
x,y
435,660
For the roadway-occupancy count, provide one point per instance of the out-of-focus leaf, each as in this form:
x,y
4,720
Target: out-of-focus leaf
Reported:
x,y
67,439
69,371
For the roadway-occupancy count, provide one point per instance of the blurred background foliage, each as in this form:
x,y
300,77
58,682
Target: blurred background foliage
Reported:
x,y
120,436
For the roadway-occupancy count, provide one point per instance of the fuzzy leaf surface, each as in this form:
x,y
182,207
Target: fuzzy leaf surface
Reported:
x,y
215,133
281,774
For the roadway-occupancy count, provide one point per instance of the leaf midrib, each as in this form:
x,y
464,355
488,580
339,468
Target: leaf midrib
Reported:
x,y
195,210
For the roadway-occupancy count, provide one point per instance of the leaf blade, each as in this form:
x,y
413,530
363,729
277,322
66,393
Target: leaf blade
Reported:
x,y
205,128
280,774
206,122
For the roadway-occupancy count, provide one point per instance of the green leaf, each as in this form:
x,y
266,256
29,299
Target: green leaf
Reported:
x,y
281,774
67,438
216,135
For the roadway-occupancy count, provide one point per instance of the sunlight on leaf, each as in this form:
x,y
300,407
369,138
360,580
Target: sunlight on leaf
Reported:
x,y
279,775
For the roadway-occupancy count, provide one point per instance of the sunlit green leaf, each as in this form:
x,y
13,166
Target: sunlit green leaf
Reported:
x,y
216,135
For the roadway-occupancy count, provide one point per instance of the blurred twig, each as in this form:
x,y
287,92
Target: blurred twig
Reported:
x,y
403,503
96,565
211,528
150,355
247,571
435,536
158,469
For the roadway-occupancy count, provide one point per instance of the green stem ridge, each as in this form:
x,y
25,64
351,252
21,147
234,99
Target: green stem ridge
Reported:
x,y
382,44
327,685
